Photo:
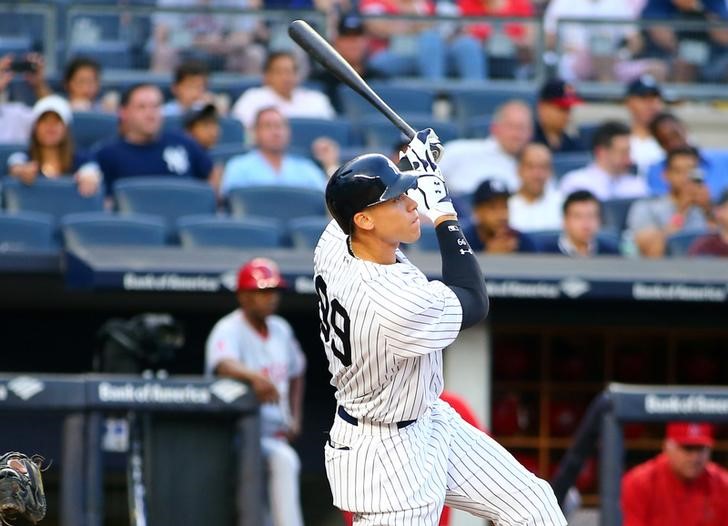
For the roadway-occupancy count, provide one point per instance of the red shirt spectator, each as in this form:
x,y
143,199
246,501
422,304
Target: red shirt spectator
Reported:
x,y
502,8
378,39
715,244
679,487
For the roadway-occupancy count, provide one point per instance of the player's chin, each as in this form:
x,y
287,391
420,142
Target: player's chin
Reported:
x,y
413,232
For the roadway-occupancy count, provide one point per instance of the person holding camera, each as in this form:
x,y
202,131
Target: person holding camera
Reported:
x,y
686,206
16,117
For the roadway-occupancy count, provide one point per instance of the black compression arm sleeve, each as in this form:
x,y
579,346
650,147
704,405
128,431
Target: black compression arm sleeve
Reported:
x,y
461,272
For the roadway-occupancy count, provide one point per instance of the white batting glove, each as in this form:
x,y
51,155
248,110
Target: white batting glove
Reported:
x,y
432,197
423,151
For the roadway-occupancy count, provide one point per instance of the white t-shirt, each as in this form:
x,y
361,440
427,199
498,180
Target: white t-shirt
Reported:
x,y
468,162
278,357
644,152
542,214
15,123
383,328
303,103
603,185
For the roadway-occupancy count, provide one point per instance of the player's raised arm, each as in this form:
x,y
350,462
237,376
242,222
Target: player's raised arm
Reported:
x,y
460,269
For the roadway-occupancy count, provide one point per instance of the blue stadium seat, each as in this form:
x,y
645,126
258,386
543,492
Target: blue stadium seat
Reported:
x,y
17,45
469,102
57,197
222,153
405,99
306,231
89,128
212,231
565,162
6,150
169,197
477,127
102,229
378,132
586,133
614,214
305,131
26,231
284,203
111,54
679,244
231,130
543,238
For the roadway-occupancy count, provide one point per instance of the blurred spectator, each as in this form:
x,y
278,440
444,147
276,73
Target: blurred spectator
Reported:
x,y
142,148
490,231
327,154
202,123
509,46
680,485
406,48
685,207
467,162
352,43
671,134
537,204
643,100
269,163
553,112
81,80
691,52
593,51
221,40
15,117
189,87
281,90
608,176
254,345
581,228
51,153
715,244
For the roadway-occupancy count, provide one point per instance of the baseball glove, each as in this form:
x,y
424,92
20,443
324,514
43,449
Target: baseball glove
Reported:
x,y
22,499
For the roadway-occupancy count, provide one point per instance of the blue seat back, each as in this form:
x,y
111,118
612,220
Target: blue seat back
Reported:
x,y
468,102
305,131
211,231
169,197
679,244
614,214
89,128
57,197
306,231
405,99
6,150
283,203
379,133
26,231
102,229
566,162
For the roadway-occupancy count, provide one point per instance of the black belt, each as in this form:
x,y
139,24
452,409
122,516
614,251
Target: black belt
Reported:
x,y
353,421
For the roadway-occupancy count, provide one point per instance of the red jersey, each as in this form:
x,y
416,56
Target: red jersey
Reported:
x,y
510,8
652,495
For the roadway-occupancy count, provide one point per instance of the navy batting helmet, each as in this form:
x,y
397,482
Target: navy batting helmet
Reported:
x,y
362,182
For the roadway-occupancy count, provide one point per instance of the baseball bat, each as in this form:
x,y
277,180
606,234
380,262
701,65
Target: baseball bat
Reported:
x,y
315,45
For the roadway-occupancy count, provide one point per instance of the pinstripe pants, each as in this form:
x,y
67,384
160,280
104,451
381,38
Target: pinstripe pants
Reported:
x,y
389,476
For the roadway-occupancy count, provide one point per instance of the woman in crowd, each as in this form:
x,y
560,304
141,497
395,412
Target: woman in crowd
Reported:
x,y
51,153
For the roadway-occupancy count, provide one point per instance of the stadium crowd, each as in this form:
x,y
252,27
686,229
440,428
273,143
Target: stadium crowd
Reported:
x,y
520,176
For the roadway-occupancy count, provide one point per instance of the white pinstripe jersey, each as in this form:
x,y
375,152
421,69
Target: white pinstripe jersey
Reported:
x,y
383,329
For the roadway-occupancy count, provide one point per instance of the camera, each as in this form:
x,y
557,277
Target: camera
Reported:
x,y
23,66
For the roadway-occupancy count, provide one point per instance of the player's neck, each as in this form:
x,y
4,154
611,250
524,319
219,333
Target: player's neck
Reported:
x,y
258,324
374,250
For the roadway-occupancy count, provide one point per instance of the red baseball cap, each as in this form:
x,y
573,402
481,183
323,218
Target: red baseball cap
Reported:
x,y
560,93
691,433
260,274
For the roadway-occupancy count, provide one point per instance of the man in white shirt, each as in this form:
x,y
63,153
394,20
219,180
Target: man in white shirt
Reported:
x,y
608,176
537,204
281,91
468,162
643,100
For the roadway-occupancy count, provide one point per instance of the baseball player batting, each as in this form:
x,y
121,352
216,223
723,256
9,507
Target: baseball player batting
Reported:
x,y
396,453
